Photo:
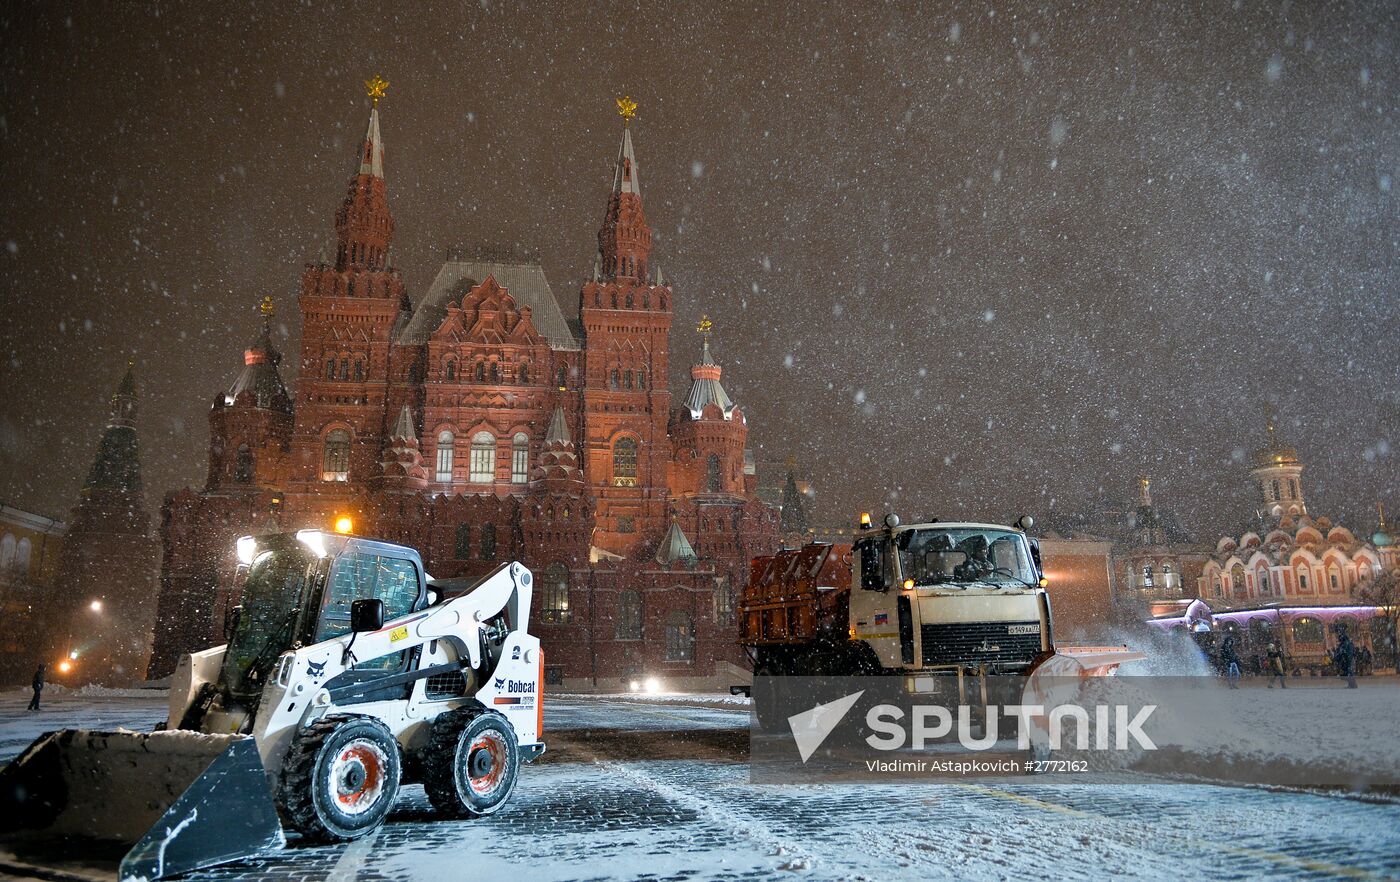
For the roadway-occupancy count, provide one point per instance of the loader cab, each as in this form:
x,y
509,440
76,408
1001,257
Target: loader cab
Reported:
x,y
299,589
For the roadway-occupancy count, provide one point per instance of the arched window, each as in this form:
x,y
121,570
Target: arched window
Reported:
x,y
627,379
625,462
488,541
629,299
451,371
330,369
7,553
335,463
345,368
481,371
641,379
1292,488
614,379
1302,579
520,458
1334,579
563,376
1237,585
724,600
243,465
523,375
462,547
495,372
1307,629
628,625
359,371
446,450
483,464
1261,579
680,636
712,473
554,604
1274,487
22,553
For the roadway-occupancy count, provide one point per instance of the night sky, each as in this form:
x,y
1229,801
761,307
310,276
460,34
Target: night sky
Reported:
x,y
968,259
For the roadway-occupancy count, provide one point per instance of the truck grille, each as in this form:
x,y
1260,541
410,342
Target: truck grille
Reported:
x,y
980,642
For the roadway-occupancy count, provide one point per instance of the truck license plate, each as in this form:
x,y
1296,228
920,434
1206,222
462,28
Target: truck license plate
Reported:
x,y
1023,629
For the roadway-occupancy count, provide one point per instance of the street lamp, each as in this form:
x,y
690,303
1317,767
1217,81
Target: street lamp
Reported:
x,y
95,606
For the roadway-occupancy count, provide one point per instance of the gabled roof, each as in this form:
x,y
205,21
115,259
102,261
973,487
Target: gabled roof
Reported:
x,y
525,282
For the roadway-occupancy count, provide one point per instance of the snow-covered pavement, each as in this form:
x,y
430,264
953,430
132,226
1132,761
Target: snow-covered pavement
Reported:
x,y
660,790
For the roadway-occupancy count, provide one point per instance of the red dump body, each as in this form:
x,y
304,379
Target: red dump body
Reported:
x,y
793,596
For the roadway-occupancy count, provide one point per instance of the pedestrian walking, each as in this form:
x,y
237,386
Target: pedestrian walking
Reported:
x,y
1276,667
1344,657
1230,661
38,687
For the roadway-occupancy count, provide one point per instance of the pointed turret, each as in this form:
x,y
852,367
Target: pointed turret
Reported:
x,y
625,238
558,429
675,547
403,428
117,465
363,223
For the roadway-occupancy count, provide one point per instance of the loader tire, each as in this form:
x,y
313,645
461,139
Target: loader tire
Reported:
x,y
471,763
340,778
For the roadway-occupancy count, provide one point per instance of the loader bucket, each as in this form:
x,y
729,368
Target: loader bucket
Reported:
x,y
181,799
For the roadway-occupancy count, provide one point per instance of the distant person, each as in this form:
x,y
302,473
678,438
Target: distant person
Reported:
x,y
38,687
1230,661
1276,667
1344,657
1363,661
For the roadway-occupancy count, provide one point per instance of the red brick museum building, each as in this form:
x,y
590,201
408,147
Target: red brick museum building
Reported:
x,y
480,422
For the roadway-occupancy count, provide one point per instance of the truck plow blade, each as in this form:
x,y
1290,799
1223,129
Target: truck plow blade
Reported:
x,y
181,799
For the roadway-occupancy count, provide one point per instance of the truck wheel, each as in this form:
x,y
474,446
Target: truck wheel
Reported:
x,y
340,778
471,763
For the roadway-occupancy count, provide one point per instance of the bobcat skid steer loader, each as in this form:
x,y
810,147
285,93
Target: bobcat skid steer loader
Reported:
x,y
347,672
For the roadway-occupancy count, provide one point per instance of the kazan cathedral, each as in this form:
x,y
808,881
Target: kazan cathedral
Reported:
x,y
480,422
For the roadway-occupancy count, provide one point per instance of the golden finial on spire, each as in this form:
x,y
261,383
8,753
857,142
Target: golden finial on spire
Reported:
x,y
704,327
267,307
626,108
375,88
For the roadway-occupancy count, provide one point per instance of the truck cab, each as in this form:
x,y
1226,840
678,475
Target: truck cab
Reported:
x,y
944,597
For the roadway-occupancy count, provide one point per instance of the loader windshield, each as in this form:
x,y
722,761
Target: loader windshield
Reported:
x,y
272,597
962,556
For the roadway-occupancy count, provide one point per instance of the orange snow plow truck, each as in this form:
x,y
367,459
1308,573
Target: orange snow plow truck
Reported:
x,y
945,605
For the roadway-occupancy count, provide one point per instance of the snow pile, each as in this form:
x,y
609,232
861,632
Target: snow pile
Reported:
x,y
1313,734
700,698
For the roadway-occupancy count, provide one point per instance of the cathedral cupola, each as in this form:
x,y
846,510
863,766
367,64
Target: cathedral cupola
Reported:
x,y
1277,471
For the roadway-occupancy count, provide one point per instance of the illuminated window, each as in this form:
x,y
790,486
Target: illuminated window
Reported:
x,y
680,637
445,452
625,462
520,458
554,605
724,600
483,465
335,463
1307,629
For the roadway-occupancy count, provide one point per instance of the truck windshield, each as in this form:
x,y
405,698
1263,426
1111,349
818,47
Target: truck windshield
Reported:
x,y
272,597
964,555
